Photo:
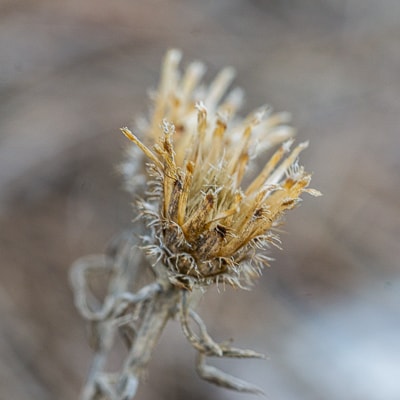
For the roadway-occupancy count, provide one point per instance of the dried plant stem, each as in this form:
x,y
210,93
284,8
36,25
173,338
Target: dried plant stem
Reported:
x,y
140,319
158,311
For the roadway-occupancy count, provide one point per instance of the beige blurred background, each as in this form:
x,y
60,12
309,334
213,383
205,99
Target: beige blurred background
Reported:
x,y
328,310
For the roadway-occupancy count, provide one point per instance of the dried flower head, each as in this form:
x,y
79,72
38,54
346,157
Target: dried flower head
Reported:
x,y
209,226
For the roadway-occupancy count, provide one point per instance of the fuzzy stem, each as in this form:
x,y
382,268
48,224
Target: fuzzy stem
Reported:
x,y
158,311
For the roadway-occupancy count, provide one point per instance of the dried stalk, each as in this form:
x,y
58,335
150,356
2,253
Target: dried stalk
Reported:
x,y
141,328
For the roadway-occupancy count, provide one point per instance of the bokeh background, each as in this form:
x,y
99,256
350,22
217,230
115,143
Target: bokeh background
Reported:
x,y
328,310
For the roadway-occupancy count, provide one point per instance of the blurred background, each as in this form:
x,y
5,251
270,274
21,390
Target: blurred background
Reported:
x,y
328,310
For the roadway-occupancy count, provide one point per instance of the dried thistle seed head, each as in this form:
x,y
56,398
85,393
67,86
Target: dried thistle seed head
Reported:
x,y
208,226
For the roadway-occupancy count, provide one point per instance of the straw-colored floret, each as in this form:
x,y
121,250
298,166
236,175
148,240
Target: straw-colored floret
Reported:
x,y
208,225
